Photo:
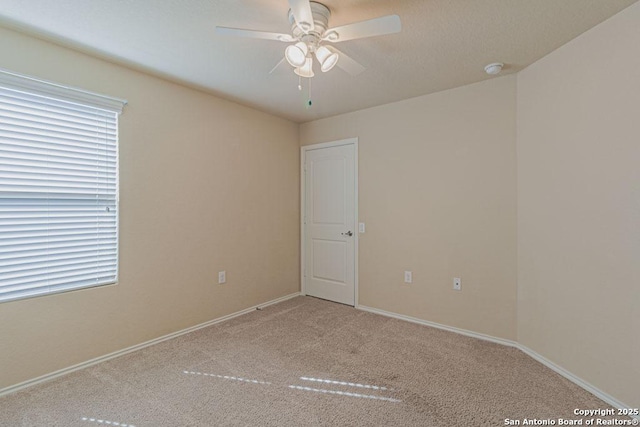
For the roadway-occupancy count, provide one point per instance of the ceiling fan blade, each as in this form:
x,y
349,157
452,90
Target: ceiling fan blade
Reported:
x,y
347,63
239,32
301,10
277,65
374,27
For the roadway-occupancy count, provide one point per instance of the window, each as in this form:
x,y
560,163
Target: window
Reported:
x,y
58,188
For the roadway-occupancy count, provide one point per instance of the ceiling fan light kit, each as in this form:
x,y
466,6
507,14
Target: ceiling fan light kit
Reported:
x,y
306,70
310,29
296,54
326,58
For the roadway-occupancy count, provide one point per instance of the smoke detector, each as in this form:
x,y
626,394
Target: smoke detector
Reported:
x,y
493,69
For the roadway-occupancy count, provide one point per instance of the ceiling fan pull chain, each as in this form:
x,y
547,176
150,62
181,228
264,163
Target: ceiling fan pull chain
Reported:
x,y
299,82
309,100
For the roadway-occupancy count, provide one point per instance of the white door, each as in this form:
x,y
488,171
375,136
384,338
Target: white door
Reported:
x,y
329,222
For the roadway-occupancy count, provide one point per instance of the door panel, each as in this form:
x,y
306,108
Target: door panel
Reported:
x,y
329,260
329,219
328,191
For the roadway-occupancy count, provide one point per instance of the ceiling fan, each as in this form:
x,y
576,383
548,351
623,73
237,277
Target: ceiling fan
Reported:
x,y
310,36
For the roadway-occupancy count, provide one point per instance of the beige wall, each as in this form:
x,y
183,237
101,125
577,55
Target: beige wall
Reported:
x,y
437,191
441,190
206,185
438,194
579,206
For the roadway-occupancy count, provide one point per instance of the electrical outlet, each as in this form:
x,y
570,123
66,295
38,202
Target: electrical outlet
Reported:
x,y
361,227
457,284
408,277
222,277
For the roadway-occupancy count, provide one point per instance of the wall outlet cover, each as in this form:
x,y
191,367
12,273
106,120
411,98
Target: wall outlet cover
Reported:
x,y
408,277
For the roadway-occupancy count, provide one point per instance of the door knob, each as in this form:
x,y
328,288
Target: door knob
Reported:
x,y
348,233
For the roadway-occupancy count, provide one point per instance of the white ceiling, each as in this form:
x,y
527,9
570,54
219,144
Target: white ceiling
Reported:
x,y
443,44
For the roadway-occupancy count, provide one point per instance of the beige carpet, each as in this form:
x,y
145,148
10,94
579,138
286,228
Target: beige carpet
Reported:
x,y
305,362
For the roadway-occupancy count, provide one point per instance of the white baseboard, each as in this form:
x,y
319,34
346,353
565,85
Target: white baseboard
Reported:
x,y
439,326
558,369
574,379
549,364
61,372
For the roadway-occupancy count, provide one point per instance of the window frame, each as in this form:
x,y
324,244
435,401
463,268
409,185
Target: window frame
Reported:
x,y
60,93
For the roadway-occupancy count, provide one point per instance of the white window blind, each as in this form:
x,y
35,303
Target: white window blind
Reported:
x,y
58,188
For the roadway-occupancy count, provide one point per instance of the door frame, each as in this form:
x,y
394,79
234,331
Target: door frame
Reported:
x,y
356,234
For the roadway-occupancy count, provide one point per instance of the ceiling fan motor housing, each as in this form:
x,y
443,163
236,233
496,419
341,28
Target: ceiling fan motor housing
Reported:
x,y
321,15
